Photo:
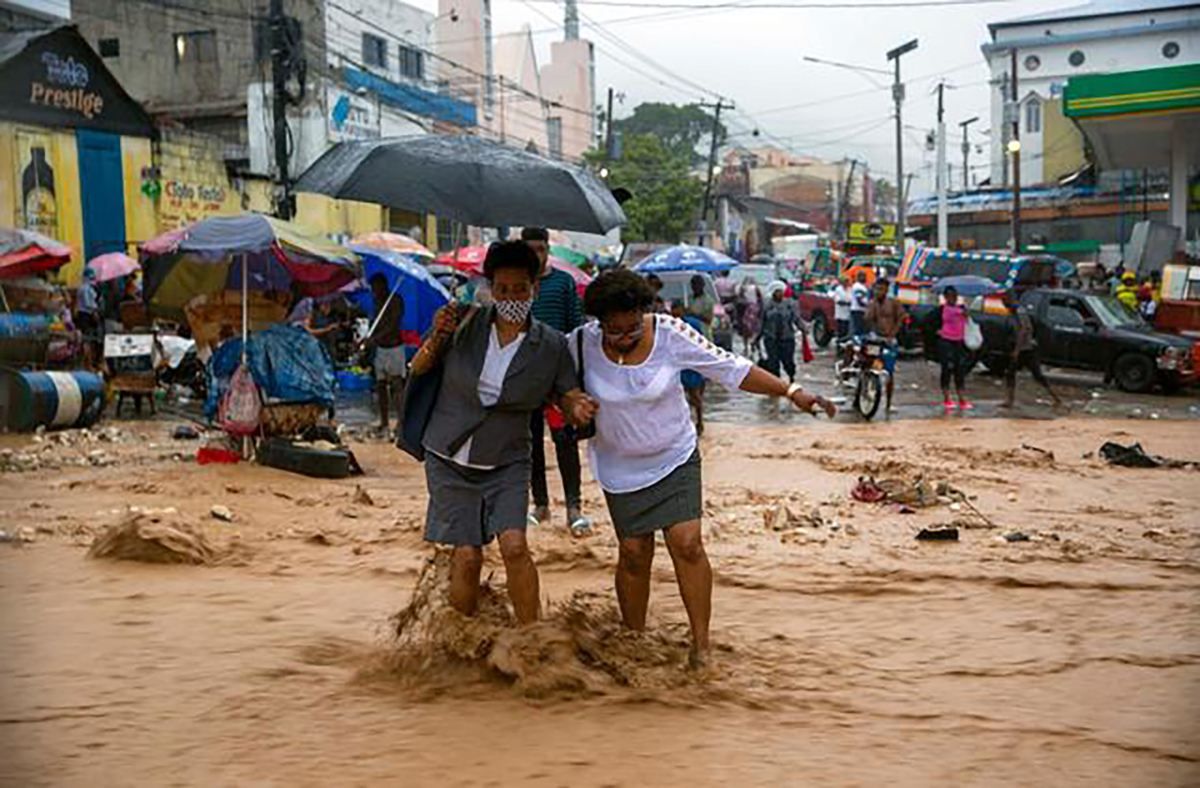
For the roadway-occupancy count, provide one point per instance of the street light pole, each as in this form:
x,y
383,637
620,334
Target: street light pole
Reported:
x,y
898,97
1015,149
943,220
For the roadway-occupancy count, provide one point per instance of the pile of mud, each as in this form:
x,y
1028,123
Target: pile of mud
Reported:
x,y
156,538
579,650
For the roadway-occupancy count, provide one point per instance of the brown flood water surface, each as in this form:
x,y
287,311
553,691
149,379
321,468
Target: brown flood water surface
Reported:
x,y
846,651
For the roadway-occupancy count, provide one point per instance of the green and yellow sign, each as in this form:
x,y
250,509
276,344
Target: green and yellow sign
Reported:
x,y
871,233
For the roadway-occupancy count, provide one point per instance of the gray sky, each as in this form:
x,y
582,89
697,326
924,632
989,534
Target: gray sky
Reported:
x,y
754,58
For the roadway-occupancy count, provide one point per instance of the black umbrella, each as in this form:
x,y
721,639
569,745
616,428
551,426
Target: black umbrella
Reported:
x,y
473,180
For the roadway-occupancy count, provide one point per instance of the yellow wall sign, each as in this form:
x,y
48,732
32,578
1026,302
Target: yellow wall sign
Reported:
x,y
871,233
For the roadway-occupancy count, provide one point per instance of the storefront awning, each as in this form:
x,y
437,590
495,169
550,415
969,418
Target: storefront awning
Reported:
x,y
53,78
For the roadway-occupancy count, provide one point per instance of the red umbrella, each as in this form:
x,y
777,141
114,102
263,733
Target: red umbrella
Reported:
x,y
582,280
24,252
468,259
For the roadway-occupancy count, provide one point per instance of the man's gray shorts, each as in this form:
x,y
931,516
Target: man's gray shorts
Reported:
x,y
390,362
470,507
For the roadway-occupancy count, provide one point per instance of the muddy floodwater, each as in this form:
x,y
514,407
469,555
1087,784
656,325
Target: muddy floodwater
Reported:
x,y
1057,642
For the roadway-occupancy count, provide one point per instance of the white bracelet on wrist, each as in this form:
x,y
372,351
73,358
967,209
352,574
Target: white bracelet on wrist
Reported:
x,y
792,389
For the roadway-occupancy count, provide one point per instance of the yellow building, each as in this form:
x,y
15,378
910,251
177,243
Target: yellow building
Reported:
x,y
73,147
82,162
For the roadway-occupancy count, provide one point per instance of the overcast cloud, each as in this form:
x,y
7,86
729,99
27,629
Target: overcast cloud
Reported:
x,y
754,58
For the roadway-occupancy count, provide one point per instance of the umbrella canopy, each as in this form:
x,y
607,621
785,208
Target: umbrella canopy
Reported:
x,y
686,258
25,252
113,265
582,280
208,258
471,179
569,255
392,242
422,294
468,259
967,286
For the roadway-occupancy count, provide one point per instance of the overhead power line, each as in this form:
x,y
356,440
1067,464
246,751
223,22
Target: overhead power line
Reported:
x,y
744,6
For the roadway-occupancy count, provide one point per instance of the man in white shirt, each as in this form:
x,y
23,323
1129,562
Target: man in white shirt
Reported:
x,y
841,307
860,299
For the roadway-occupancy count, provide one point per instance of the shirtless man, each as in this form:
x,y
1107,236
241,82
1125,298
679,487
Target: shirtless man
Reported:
x,y
886,317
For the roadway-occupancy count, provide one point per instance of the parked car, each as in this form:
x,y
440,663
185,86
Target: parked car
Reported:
x,y
1179,310
677,286
1094,332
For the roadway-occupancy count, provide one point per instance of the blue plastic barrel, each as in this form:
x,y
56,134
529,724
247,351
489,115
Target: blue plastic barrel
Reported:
x,y
51,399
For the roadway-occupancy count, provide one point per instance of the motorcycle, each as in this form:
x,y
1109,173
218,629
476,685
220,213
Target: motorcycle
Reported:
x,y
860,366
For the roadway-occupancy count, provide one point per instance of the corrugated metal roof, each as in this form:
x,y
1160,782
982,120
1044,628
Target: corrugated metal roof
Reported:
x,y
1096,8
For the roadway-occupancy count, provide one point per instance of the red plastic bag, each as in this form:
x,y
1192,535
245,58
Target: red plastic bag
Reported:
x,y
806,351
241,407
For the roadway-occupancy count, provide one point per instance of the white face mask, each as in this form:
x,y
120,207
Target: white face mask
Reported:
x,y
514,311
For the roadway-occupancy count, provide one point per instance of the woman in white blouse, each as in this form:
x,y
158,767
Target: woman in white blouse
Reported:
x,y
644,453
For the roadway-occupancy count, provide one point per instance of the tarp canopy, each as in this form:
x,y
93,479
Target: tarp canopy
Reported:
x,y
288,364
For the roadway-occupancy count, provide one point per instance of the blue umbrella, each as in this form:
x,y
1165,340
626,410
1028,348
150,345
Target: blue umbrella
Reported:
x,y
686,258
423,294
967,286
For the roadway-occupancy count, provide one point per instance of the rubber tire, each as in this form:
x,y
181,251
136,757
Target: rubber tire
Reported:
x,y
822,334
1134,373
875,383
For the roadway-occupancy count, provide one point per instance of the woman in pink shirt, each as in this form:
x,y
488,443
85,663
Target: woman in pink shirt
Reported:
x,y
951,324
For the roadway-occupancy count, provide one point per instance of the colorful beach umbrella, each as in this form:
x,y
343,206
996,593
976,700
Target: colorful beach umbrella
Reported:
x,y
245,253
25,252
392,242
113,265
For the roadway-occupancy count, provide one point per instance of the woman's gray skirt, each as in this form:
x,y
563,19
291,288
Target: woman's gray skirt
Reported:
x,y
673,500
471,507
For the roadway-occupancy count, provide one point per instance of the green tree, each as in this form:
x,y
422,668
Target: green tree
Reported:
x,y
681,128
666,196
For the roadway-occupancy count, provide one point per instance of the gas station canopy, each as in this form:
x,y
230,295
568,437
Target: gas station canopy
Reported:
x,y
1131,117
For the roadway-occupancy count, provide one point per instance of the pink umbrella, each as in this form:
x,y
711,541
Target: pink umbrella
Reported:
x,y
113,265
582,280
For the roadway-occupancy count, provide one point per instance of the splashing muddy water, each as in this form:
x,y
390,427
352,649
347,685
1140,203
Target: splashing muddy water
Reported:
x,y
847,653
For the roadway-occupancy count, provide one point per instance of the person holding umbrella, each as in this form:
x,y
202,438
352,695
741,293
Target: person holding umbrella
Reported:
x,y
498,366
556,305
391,362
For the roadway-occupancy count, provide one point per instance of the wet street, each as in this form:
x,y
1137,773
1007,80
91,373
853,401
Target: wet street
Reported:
x,y
917,397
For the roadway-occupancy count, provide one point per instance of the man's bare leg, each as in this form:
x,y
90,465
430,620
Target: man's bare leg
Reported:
x,y
385,398
466,563
694,575
523,587
634,560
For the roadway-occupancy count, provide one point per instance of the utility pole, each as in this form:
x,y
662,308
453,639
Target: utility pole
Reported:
x,y
844,201
712,154
608,127
943,220
898,97
1015,149
966,150
279,76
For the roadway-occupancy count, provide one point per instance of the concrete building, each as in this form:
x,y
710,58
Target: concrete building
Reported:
x,y
549,107
1101,36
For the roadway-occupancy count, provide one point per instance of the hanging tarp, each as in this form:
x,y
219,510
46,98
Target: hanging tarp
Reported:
x,y
288,364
